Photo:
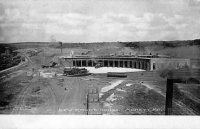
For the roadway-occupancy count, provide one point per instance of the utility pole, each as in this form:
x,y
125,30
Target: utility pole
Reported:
x,y
60,47
169,96
44,56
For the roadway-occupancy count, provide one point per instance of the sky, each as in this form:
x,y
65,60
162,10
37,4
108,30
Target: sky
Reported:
x,y
98,20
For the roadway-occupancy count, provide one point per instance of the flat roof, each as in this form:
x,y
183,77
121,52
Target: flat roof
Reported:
x,y
147,57
106,57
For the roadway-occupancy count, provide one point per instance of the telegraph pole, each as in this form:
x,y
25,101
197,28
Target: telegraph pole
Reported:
x,y
169,96
60,47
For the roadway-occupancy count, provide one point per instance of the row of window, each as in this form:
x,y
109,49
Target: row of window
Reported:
x,y
115,63
175,65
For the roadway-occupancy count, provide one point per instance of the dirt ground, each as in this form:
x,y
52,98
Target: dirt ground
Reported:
x,y
67,95
38,91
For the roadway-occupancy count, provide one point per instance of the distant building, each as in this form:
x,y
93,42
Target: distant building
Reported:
x,y
162,63
195,63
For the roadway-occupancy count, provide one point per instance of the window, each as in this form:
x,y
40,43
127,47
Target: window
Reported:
x,y
154,66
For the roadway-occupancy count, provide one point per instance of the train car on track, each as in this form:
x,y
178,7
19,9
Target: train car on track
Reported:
x,y
73,72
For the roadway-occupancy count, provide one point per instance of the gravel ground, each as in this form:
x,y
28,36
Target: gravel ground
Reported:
x,y
141,93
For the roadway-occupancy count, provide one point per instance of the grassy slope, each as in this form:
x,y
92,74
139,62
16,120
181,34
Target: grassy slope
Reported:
x,y
186,49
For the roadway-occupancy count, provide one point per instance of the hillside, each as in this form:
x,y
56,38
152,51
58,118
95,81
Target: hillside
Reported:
x,y
184,49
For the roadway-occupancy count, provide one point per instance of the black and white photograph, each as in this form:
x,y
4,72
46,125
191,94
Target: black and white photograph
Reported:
x,y
100,57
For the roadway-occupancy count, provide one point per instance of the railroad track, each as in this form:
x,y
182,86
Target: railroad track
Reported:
x,y
20,104
54,96
153,86
93,104
20,100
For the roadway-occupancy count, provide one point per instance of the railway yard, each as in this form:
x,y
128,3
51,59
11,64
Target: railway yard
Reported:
x,y
36,90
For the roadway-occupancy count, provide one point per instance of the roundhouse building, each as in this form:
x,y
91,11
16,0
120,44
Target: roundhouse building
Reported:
x,y
145,62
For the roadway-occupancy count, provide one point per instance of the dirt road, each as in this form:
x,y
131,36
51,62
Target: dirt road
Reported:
x,y
68,98
67,95
74,99
47,95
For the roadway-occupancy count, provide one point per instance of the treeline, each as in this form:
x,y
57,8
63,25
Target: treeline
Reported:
x,y
8,60
164,44
139,44
8,63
